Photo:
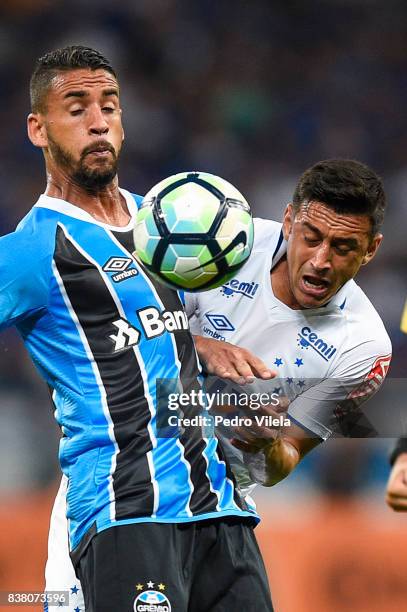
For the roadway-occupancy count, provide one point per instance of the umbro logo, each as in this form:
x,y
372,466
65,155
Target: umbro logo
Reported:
x,y
220,322
121,267
117,264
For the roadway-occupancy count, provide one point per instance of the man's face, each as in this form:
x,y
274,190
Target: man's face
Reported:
x,y
324,251
82,126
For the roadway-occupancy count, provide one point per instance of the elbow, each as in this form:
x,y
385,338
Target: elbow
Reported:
x,y
275,477
281,459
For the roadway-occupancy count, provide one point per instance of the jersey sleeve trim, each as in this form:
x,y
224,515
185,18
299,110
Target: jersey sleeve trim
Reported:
x,y
309,425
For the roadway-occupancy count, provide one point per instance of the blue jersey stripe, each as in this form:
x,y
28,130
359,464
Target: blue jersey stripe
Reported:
x,y
222,485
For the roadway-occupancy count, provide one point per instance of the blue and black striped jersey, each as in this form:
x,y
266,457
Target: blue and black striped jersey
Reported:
x,y
101,332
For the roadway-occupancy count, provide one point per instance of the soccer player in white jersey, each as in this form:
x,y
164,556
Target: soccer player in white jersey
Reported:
x,y
296,308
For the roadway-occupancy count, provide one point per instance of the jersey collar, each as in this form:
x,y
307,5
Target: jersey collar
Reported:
x,y
71,210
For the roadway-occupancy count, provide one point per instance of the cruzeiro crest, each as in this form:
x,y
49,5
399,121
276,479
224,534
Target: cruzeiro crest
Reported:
x,y
151,600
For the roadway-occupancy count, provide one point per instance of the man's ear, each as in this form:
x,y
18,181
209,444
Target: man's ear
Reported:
x,y
36,130
288,221
372,249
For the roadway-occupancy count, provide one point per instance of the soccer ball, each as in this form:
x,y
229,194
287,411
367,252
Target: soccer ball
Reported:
x,y
193,231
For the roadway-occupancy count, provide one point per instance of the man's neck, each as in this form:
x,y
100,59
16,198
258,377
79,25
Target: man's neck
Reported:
x,y
106,205
280,283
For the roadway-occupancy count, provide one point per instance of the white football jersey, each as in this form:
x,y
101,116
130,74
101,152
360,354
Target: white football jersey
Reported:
x,y
328,359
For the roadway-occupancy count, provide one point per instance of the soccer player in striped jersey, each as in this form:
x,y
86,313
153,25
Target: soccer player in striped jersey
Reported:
x,y
396,493
152,521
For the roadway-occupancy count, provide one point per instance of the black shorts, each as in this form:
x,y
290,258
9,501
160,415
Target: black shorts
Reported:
x,y
204,566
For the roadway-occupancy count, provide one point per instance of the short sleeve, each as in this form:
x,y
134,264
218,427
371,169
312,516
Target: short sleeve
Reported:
x,y
332,405
23,278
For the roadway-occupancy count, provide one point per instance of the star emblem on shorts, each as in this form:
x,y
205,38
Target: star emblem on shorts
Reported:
x,y
139,587
150,585
161,586
301,383
289,380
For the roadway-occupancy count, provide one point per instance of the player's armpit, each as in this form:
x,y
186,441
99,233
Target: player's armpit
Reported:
x,y
396,494
231,362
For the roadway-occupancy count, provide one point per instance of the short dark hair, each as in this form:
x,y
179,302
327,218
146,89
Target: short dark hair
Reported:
x,y
345,185
60,60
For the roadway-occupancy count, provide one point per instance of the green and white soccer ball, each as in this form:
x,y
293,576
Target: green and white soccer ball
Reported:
x,y
193,231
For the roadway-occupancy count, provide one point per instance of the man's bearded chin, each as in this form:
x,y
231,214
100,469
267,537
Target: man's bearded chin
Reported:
x,y
91,179
95,179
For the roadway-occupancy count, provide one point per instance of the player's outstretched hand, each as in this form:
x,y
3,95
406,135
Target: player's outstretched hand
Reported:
x,y
229,361
396,494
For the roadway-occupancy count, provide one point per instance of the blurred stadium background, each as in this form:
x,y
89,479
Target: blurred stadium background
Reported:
x,y
255,92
